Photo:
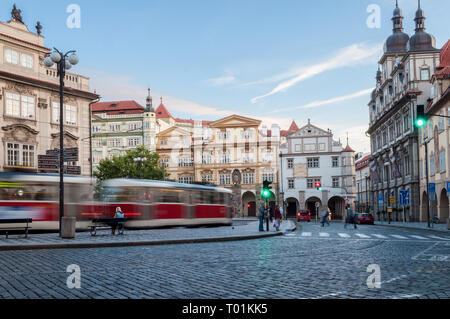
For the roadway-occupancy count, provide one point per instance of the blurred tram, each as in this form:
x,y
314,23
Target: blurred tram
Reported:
x,y
146,204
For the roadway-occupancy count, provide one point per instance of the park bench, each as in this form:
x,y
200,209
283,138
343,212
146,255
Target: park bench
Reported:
x,y
15,221
106,223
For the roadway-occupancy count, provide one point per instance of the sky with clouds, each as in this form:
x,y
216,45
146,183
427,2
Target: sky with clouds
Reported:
x,y
277,61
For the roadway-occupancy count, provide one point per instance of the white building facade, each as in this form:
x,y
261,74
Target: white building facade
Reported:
x,y
310,156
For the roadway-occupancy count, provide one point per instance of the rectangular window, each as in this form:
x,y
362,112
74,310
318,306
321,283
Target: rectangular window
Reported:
x,y
298,147
186,180
207,178
26,60
321,147
20,105
224,158
290,163
247,134
97,143
20,155
335,161
268,177
432,171
96,129
185,162
11,56
248,158
313,162
206,159
442,164
225,179
248,178
425,75
135,141
335,182
70,114
223,135
291,183
114,127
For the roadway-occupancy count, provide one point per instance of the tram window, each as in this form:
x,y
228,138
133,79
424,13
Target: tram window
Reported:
x,y
169,196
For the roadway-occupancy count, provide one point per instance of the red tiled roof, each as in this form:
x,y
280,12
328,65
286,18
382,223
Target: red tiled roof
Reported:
x,y
443,71
284,133
348,149
293,128
162,113
118,107
363,162
444,57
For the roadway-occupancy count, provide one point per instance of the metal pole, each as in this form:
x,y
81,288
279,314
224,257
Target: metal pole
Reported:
x,y
426,174
61,72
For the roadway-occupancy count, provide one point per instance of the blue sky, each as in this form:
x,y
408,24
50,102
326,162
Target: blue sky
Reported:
x,y
272,60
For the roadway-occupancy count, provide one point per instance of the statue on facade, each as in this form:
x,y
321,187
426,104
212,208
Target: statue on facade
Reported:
x,y
39,28
16,14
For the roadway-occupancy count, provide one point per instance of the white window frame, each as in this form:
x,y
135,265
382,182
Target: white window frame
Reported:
x,y
21,150
70,114
20,106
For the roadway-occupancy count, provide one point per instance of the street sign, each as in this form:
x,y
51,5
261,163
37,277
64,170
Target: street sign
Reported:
x,y
431,191
391,200
404,198
70,154
317,204
380,200
448,188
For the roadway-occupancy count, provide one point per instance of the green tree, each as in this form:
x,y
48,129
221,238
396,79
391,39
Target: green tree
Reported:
x,y
126,167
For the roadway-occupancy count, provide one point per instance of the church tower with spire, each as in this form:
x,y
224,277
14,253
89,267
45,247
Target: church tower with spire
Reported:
x,y
149,124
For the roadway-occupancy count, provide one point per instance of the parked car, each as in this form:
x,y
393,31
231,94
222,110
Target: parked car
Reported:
x,y
304,216
366,219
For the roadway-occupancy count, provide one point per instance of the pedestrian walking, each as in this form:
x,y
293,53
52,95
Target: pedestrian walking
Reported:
x,y
351,219
277,218
120,224
324,218
261,214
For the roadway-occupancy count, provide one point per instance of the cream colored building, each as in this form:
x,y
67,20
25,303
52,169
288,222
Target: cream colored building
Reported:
x,y
234,152
437,136
29,100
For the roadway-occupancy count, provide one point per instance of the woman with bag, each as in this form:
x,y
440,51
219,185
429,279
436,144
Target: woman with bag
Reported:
x,y
277,217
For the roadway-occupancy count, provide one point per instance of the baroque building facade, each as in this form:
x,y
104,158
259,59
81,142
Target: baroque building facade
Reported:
x,y
29,102
403,83
436,134
309,156
234,152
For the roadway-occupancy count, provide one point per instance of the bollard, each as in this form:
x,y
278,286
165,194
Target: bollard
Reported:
x,y
448,223
68,226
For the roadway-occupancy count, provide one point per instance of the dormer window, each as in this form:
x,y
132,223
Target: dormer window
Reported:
x,y
390,89
400,77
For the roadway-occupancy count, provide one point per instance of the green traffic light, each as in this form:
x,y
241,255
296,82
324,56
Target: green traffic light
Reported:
x,y
420,123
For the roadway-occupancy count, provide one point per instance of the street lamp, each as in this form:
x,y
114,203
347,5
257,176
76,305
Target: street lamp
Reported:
x,y
63,63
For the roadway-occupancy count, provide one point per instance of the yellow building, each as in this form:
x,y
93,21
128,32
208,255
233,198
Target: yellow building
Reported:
x,y
235,152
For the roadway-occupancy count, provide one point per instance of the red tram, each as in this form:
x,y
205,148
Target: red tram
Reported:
x,y
146,204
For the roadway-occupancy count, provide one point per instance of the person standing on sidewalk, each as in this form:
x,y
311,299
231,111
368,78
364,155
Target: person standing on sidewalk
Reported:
x,y
261,214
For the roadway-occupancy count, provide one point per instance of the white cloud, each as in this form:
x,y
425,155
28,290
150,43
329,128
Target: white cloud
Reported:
x,y
221,81
350,56
326,102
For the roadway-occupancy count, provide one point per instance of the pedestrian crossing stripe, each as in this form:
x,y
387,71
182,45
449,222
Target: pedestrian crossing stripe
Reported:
x,y
399,236
324,235
379,236
436,237
306,234
362,236
344,235
418,237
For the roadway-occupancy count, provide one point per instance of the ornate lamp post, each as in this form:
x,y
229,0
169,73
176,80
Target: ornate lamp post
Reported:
x,y
63,63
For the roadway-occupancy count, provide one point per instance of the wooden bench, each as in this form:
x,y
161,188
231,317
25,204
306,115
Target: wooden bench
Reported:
x,y
107,223
25,221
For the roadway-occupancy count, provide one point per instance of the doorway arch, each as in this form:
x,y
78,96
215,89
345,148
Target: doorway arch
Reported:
x,y
249,204
292,207
311,205
336,205
443,206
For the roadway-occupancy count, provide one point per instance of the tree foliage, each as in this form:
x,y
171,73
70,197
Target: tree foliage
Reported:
x,y
126,167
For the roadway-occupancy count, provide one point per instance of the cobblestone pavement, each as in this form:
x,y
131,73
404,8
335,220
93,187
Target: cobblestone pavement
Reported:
x,y
413,265
422,225
239,229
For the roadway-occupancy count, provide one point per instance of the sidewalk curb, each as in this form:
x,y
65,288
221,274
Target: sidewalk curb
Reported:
x,y
139,243
414,228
